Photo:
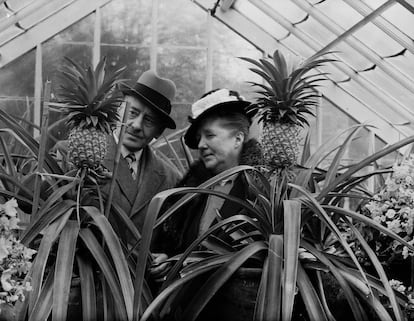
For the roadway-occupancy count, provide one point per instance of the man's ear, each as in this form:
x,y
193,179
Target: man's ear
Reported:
x,y
239,139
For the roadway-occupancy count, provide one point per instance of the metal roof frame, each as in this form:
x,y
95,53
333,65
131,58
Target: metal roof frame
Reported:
x,y
354,91
368,85
51,17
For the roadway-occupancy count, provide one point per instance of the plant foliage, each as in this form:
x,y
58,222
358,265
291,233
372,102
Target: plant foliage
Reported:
x,y
289,92
78,248
294,232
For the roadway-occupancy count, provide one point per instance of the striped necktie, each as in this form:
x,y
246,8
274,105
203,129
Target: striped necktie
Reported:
x,y
130,158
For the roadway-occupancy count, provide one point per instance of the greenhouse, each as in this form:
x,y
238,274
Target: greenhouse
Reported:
x,y
206,160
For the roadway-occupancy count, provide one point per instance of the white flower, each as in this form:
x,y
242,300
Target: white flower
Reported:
x,y
28,253
391,184
409,180
4,248
390,213
10,207
14,223
378,219
15,258
5,280
28,287
394,226
404,252
398,286
411,298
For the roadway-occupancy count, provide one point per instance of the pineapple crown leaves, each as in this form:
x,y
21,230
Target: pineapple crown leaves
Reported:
x,y
90,98
289,91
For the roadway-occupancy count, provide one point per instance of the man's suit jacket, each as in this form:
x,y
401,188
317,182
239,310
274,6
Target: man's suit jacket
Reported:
x,y
154,175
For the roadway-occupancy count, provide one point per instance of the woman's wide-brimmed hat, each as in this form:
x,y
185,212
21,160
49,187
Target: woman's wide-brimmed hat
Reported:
x,y
223,100
158,92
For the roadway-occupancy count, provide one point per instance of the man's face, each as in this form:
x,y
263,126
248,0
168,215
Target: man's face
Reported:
x,y
142,126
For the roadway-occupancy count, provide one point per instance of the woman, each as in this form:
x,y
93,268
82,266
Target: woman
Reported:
x,y
219,130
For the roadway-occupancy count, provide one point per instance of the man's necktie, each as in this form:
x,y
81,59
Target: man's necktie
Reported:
x,y
130,158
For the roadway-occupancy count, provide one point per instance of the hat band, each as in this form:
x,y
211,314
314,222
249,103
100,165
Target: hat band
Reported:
x,y
154,97
215,98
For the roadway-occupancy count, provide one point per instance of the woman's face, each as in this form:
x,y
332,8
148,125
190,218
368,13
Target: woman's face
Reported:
x,y
219,147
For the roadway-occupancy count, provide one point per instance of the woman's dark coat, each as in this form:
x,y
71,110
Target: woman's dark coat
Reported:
x,y
182,228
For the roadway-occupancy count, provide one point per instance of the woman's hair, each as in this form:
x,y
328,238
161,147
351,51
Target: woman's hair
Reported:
x,y
233,120
232,117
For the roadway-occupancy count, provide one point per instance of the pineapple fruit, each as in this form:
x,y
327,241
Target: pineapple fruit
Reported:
x,y
90,100
283,102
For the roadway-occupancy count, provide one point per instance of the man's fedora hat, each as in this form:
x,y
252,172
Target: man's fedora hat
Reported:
x,y
158,92
219,100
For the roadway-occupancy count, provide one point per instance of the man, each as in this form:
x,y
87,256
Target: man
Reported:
x,y
141,173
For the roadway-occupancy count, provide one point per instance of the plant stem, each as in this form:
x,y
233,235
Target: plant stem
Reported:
x,y
116,159
42,148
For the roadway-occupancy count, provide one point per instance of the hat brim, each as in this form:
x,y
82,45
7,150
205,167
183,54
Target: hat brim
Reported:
x,y
129,91
190,137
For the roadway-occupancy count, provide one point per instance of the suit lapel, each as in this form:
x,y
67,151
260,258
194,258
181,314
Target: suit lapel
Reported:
x,y
124,178
150,177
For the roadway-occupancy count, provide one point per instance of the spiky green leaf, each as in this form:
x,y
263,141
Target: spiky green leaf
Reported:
x,y
288,98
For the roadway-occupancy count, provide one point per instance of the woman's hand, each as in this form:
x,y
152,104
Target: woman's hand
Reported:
x,y
160,267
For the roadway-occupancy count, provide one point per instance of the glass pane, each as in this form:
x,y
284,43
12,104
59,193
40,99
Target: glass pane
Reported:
x,y
20,107
378,102
181,22
315,30
351,57
17,4
228,70
4,13
137,60
127,21
180,113
334,121
9,33
389,159
404,63
53,57
80,31
402,96
17,77
401,18
187,68
377,40
22,110
297,47
266,22
374,3
287,9
228,42
359,147
54,52
340,12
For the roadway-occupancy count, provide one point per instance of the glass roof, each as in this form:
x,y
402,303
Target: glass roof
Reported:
x,y
373,80
26,23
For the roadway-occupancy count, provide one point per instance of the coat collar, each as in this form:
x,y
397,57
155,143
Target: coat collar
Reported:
x,y
149,177
198,173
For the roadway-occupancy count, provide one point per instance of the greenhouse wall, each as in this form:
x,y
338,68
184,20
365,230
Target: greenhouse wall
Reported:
x,y
177,39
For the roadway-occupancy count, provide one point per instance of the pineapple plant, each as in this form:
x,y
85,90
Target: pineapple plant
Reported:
x,y
283,102
90,100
